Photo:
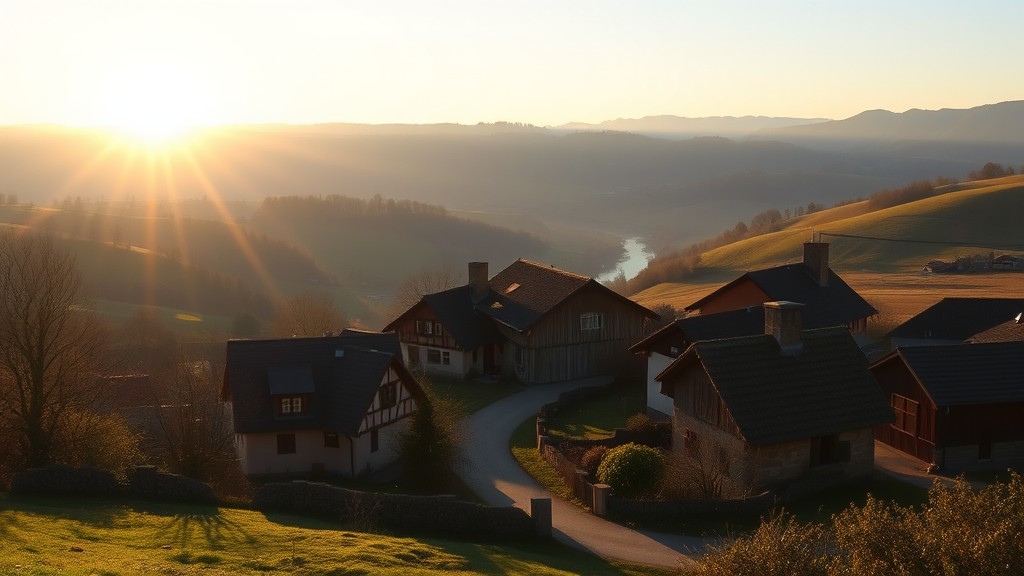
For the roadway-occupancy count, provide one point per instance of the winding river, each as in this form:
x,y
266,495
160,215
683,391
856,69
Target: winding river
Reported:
x,y
636,257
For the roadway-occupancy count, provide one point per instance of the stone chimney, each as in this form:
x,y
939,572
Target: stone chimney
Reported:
x,y
782,320
478,280
816,259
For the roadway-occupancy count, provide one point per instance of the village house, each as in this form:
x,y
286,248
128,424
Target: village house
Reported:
x,y
532,322
1009,331
956,406
954,320
786,408
335,404
735,310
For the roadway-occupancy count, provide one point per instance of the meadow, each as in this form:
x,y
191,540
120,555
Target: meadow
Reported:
x,y
75,537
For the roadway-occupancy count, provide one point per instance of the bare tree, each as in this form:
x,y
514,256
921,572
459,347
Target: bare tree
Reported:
x,y
419,285
307,314
195,434
51,352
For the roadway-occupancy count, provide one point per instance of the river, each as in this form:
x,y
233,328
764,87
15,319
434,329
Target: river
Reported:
x,y
636,257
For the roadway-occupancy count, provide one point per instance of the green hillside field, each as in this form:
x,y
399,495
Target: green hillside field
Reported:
x,y
83,537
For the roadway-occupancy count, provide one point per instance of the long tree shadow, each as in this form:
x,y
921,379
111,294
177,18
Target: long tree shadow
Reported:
x,y
211,530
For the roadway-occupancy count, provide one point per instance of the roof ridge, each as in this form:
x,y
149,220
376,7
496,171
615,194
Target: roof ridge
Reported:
x,y
553,268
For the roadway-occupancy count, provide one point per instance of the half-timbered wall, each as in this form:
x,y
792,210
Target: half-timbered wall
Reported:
x,y
422,314
386,409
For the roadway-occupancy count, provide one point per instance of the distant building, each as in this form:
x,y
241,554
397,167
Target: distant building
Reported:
x,y
335,404
533,322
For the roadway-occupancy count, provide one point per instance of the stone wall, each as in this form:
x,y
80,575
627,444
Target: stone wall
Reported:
x,y
143,482
429,515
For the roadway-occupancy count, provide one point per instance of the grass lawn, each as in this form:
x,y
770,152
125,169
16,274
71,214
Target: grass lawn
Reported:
x,y
524,449
599,416
81,537
472,395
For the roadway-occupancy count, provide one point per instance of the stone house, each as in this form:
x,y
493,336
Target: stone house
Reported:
x,y
779,409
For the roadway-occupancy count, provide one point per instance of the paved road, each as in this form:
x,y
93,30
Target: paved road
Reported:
x,y
496,477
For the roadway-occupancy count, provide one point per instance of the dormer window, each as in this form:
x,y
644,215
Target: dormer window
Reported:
x,y
291,406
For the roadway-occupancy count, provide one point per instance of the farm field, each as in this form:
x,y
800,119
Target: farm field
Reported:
x,y
897,295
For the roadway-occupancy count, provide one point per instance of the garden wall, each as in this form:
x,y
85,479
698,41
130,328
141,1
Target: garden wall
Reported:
x,y
432,515
143,482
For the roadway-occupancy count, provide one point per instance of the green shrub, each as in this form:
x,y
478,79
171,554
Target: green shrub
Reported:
x,y
632,470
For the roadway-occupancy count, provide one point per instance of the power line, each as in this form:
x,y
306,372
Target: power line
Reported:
x,y
933,242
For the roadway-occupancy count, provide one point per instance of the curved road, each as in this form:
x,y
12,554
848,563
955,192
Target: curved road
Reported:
x,y
496,477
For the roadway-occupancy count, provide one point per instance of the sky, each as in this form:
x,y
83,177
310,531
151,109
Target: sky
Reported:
x,y
546,62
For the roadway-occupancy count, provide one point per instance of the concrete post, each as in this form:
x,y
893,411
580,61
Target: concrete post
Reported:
x,y
540,511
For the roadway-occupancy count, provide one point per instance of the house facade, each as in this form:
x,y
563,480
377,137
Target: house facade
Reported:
x,y
532,322
786,408
956,406
334,405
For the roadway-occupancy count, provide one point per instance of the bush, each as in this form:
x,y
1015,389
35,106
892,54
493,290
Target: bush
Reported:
x,y
592,458
632,470
780,547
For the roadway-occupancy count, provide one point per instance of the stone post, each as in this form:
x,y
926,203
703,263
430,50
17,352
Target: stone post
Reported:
x,y
601,494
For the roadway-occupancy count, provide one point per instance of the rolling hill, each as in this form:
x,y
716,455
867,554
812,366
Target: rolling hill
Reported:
x,y
978,218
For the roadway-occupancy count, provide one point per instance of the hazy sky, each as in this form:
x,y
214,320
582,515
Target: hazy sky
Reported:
x,y
544,62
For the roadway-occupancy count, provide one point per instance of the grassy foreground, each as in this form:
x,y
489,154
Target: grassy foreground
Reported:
x,y
81,537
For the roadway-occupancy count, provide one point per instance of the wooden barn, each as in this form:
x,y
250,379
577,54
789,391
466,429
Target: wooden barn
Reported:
x,y
533,322
957,406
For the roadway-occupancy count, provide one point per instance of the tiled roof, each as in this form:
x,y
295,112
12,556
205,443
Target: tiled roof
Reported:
x,y
959,318
454,308
743,322
346,372
833,305
1012,331
825,388
967,374
525,291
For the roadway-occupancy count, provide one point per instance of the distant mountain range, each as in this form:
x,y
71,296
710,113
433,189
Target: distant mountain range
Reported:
x,y
597,177
678,127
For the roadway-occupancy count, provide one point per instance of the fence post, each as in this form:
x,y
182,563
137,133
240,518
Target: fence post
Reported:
x,y
540,511
601,493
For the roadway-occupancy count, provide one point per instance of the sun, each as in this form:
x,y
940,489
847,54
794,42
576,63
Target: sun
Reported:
x,y
155,107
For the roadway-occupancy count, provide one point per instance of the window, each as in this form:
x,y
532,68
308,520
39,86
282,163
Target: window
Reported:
x,y
291,406
330,439
426,327
590,321
286,443
906,414
439,357
374,440
674,351
437,328
388,394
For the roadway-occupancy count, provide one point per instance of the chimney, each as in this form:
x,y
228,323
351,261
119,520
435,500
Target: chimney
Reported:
x,y
478,280
782,320
816,259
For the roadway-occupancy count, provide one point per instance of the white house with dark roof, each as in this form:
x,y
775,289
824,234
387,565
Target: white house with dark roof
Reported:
x,y
333,405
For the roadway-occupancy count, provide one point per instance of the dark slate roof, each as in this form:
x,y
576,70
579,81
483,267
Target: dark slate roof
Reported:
x,y
825,388
344,376
520,295
743,322
834,305
1012,331
967,374
456,311
959,318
